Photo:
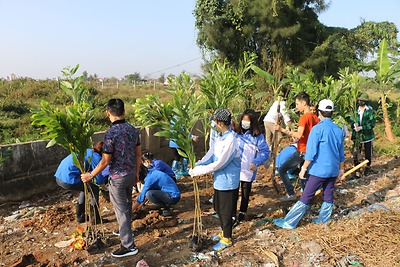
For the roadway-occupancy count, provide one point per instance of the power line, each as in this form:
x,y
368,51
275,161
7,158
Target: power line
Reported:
x,y
180,64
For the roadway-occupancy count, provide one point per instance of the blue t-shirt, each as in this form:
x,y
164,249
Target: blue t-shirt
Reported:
x,y
70,174
325,149
158,180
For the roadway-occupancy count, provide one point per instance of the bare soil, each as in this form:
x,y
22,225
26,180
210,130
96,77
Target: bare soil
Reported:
x,y
164,241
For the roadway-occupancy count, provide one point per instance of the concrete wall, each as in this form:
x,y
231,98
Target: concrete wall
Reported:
x,y
30,168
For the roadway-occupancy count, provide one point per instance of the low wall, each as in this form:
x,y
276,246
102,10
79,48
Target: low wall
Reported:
x,y
30,167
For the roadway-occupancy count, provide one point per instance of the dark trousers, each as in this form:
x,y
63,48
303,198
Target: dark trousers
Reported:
x,y
367,152
246,191
313,184
161,198
225,203
79,187
289,164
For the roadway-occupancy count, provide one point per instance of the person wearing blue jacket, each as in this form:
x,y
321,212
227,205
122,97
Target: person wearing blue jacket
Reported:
x,y
151,163
254,152
160,189
324,161
223,160
68,176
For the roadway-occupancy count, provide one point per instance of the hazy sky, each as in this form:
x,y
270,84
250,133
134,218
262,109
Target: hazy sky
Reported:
x,y
114,38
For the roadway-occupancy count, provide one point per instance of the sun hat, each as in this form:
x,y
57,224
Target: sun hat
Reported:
x,y
325,105
221,114
363,97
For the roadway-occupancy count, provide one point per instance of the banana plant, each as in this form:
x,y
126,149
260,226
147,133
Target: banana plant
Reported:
x,y
387,74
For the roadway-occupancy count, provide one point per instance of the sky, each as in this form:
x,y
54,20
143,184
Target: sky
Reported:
x,y
115,38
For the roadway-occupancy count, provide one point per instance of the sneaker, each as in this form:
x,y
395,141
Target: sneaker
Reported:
x,y
288,198
368,171
235,223
222,244
217,238
167,212
116,232
124,252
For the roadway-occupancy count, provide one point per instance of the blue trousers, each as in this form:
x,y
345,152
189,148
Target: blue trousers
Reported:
x,y
313,184
289,164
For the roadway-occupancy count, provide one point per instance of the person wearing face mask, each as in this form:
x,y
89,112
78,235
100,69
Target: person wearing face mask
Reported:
x,y
151,163
254,152
223,160
363,131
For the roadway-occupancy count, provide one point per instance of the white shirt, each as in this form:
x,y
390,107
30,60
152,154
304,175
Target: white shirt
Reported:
x,y
271,115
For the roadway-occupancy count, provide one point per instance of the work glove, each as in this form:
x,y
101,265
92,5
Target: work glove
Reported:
x,y
191,172
357,129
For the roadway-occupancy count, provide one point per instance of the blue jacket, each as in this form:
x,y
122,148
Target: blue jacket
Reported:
x,y
253,149
325,149
162,166
223,159
70,174
158,180
285,154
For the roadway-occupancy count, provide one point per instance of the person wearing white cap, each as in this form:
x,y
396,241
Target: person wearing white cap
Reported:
x,y
324,161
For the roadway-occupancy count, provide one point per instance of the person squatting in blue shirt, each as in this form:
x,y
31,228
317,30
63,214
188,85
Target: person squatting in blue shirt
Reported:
x,y
159,188
151,163
68,176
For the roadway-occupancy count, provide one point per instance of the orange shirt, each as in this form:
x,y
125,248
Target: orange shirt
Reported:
x,y
307,120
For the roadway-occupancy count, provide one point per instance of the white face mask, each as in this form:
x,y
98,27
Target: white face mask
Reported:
x,y
246,125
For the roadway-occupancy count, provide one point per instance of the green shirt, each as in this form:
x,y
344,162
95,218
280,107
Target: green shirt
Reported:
x,y
367,122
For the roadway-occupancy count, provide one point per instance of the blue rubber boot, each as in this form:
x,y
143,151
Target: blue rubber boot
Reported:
x,y
293,217
176,168
184,167
325,213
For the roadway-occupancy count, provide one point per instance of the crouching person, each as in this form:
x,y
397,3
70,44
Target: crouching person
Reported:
x,y
159,188
68,176
324,161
